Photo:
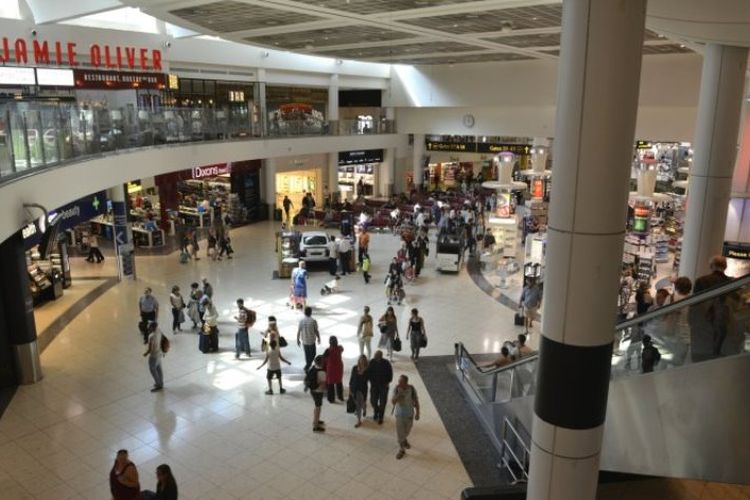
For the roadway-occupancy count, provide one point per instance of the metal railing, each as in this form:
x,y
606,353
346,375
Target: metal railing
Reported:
x,y
38,134
712,324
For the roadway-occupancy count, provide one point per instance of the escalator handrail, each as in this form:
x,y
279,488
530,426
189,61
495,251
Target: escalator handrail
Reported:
x,y
697,298
702,296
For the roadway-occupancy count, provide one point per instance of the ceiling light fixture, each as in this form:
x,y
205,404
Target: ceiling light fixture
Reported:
x,y
506,26
339,62
264,54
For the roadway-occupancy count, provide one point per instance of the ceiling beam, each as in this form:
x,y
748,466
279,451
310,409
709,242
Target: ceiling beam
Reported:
x,y
53,11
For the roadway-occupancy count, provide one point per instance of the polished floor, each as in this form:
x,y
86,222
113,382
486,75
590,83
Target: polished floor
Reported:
x,y
223,437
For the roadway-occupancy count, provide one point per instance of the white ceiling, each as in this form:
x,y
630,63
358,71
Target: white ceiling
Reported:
x,y
391,31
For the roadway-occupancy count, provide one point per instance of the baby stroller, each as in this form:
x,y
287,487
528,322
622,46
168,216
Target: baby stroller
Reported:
x,y
394,289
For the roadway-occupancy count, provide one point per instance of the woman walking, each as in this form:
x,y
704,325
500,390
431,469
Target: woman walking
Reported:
x,y
334,367
364,333
389,331
271,334
209,340
416,333
358,388
299,286
178,304
194,304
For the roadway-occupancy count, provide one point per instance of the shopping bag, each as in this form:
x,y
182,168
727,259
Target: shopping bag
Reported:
x,y
519,319
397,344
351,406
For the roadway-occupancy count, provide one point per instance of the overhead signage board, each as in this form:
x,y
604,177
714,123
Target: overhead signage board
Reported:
x,y
11,75
453,147
70,215
55,77
517,149
360,157
212,170
643,144
736,250
113,80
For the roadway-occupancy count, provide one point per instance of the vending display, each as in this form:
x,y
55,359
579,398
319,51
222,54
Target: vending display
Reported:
x,y
641,220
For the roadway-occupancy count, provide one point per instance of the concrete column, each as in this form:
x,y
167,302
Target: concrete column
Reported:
x,y
268,175
260,128
418,158
387,172
124,249
333,104
18,341
597,104
719,106
332,179
738,218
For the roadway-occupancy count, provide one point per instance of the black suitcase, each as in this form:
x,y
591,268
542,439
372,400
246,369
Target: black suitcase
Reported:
x,y
519,319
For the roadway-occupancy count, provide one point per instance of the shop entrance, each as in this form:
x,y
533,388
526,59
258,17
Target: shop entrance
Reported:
x,y
295,184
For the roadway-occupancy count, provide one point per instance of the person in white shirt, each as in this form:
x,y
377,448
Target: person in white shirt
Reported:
x,y
345,254
333,254
94,252
273,359
420,221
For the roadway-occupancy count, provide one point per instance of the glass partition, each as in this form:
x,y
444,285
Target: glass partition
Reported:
x,y
37,134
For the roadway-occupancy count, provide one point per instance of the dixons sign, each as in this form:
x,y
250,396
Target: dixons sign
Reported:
x,y
62,53
212,170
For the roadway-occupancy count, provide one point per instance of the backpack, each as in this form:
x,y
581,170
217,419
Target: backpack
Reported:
x,y
164,344
251,318
311,378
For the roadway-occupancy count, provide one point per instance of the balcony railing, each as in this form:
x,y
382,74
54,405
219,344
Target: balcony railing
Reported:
x,y
34,135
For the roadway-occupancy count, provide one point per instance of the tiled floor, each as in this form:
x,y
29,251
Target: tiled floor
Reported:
x,y
223,437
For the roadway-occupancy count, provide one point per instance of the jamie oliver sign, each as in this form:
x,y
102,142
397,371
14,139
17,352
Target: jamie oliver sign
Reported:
x,y
112,80
39,51
212,170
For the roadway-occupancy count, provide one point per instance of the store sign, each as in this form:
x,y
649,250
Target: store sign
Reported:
x,y
359,157
10,75
65,54
516,149
174,82
212,170
457,147
55,77
70,215
643,145
112,80
736,250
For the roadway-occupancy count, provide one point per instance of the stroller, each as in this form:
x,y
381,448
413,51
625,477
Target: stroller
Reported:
x,y
394,288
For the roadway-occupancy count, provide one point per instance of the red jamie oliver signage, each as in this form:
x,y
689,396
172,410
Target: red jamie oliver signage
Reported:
x,y
212,170
64,53
117,80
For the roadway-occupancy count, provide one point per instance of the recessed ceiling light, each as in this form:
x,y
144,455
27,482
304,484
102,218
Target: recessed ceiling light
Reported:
x,y
455,25
534,18
662,36
682,46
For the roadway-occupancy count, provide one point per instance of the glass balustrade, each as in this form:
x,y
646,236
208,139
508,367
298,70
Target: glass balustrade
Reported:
x,y
706,326
39,134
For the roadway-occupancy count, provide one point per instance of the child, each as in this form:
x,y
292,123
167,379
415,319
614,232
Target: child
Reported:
x,y
650,356
366,267
331,287
274,359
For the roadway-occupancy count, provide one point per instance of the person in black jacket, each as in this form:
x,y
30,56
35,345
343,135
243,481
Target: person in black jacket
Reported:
x,y
380,374
358,388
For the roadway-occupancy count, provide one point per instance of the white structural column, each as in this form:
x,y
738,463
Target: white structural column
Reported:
x,y
332,179
268,174
717,127
333,104
418,157
738,218
598,85
387,172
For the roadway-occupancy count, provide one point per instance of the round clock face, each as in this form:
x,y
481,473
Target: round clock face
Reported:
x,y
469,120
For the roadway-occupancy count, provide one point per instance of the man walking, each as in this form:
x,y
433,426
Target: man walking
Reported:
x,y
287,203
149,309
155,353
315,382
245,319
307,335
406,409
333,254
380,373
363,243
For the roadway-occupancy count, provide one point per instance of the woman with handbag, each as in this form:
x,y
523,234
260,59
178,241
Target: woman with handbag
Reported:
x,y
209,341
178,304
417,332
389,331
364,333
358,388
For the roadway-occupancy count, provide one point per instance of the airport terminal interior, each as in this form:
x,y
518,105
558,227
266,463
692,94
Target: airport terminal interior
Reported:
x,y
376,249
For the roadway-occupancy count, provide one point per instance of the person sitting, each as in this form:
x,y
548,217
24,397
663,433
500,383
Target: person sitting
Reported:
x,y
501,361
331,287
521,349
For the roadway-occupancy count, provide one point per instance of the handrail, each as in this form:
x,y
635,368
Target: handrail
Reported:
x,y
702,296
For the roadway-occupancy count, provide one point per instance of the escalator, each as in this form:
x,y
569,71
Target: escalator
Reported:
x,y
686,419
